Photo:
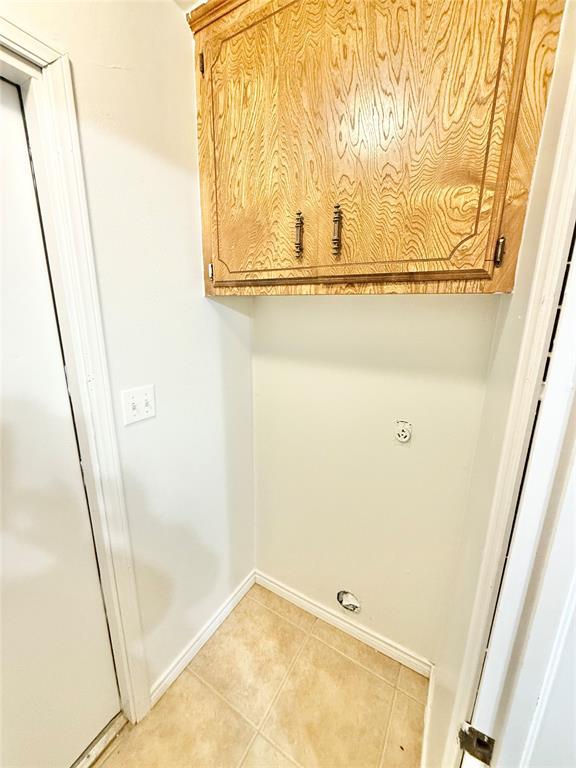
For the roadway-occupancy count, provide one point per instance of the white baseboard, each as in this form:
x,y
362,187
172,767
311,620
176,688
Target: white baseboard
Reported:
x,y
427,719
373,639
180,664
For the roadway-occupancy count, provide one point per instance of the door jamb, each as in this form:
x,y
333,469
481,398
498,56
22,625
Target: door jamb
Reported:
x,y
45,79
553,248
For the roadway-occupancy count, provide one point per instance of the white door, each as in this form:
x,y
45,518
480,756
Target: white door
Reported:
x,y
59,686
527,695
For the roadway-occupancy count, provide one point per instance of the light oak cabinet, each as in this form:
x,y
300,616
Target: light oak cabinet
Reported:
x,y
368,145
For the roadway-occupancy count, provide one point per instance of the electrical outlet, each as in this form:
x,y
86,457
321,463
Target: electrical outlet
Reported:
x,y
138,403
403,431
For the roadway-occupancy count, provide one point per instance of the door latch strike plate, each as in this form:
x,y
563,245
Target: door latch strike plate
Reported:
x,y
476,743
211,271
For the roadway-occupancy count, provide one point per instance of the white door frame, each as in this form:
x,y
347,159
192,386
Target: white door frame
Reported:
x,y
553,249
546,456
45,79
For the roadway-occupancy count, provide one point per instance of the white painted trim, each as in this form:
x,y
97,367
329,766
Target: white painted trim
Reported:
x,y
568,613
374,640
51,118
424,759
360,632
179,665
24,45
553,248
553,420
101,742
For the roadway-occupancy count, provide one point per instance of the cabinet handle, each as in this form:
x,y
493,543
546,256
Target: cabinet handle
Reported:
x,y
337,231
299,242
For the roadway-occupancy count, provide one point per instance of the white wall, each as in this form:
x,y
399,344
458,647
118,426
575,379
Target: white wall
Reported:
x,y
188,472
340,504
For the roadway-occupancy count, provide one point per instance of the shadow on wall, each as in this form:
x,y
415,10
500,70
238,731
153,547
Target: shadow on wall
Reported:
x,y
46,542
445,335
236,422
163,593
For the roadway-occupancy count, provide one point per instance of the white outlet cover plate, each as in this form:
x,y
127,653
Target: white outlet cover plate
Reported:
x,y
138,403
402,431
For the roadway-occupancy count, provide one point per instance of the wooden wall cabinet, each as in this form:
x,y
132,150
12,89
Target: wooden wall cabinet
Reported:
x,y
368,146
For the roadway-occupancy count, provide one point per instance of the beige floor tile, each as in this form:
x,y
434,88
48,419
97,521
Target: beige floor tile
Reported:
x,y
286,609
190,727
248,657
404,741
413,684
331,712
374,660
263,755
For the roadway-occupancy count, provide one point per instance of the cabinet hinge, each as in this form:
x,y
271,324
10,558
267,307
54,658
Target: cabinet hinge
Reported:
x,y
201,63
211,271
476,743
499,250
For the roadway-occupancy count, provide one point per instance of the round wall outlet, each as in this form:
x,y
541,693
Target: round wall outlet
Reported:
x,y
403,431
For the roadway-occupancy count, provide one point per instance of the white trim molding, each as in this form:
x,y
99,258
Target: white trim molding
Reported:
x,y
28,48
540,577
46,84
202,637
553,249
369,637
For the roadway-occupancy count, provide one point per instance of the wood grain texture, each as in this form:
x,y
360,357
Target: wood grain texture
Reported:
x,y
209,12
539,69
404,112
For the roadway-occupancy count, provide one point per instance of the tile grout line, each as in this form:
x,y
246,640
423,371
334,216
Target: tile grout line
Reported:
x,y
258,732
307,637
387,730
279,749
413,698
338,650
222,697
324,642
281,615
257,727
248,748
283,681
358,664
394,686
277,696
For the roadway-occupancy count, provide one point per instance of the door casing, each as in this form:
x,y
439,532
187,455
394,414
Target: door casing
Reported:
x,y
44,77
553,248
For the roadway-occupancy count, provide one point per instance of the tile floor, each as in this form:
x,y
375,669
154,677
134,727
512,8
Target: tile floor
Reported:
x,y
277,688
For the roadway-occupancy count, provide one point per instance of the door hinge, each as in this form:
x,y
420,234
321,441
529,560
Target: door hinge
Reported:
x,y
211,271
499,250
476,743
201,63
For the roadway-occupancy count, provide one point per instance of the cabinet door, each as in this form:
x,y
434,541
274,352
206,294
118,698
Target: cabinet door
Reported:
x,y
403,112
261,176
419,105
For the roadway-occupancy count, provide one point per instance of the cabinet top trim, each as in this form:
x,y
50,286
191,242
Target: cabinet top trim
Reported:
x,y
209,12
